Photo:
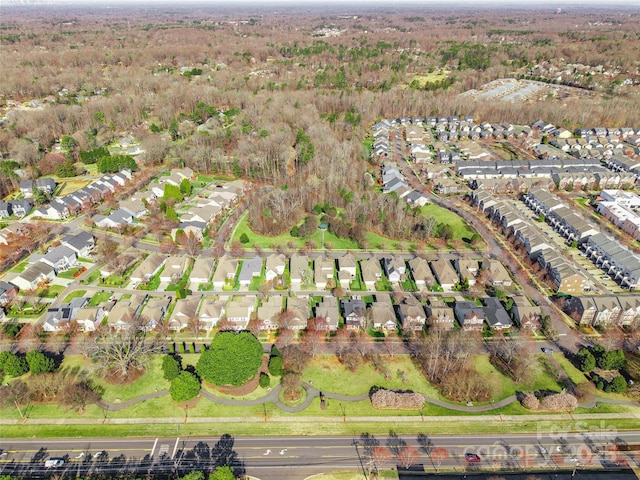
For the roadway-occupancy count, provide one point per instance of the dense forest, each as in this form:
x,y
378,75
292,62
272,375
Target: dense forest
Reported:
x,y
286,99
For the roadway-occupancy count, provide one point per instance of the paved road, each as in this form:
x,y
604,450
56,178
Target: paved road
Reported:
x,y
285,458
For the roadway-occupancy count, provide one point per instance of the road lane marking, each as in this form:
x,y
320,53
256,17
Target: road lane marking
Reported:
x,y
175,449
154,448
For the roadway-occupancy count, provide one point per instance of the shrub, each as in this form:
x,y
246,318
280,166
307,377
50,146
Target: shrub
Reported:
x,y
39,362
275,366
192,348
619,384
397,400
171,367
530,401
14,365
244,238
265,380
232,359
184,387
559,402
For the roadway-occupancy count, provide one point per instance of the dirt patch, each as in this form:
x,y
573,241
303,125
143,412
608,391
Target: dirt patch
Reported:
x,y
114,378
189,403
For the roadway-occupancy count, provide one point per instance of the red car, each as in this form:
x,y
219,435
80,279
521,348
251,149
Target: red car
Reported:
x,y
472,457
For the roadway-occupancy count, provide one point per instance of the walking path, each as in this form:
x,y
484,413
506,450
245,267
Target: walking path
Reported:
x,y
274,397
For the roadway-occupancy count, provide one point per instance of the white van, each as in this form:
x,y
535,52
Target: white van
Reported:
x,y
54,463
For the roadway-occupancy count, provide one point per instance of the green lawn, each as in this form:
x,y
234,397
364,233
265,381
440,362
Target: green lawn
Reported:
x,y
98,298
149,382
373,240
502,386
92,277
460,228
575,375
74,294
70,274
328,374
51,292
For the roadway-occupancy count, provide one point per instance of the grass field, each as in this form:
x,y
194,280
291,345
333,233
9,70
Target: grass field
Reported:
x,y
70,185
502,386
374,241
74,294
326,373
460,228
431,77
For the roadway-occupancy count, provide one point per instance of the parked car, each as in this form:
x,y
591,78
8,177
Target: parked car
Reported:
x,y
472,458
547,350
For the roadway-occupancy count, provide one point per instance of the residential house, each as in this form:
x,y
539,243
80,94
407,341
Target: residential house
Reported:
x,y
174,268
115,219
394,268
81,243
412,314
297,313
239,310
90,318
35,275
467,269
274,266
154,311
5,209
225,272
371,272
149,267
46,185
630,314
52,211
525,314
61,258
202,270
469,315
184,312
8,292
347,268
445,273
20,208
124,312
250,269
269,312
211,311
354,313
61,316
497,275
439,315
299,270
496,315
382,314
327,311
421,273
324,272
135,206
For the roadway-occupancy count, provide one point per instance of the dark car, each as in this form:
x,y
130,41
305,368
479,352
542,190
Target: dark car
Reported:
x,y
472,457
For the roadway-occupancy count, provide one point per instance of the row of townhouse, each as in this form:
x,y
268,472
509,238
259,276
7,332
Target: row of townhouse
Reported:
x,y
605,252
621,208
605,310
45,268
563,219
394,181
566,277
623,163
295,313
620,263
61,207
623,133
324,272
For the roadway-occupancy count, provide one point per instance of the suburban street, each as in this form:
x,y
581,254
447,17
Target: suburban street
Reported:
x,y
298,457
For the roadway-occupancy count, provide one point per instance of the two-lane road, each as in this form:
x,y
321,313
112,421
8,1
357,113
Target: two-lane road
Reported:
x,y
298,457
